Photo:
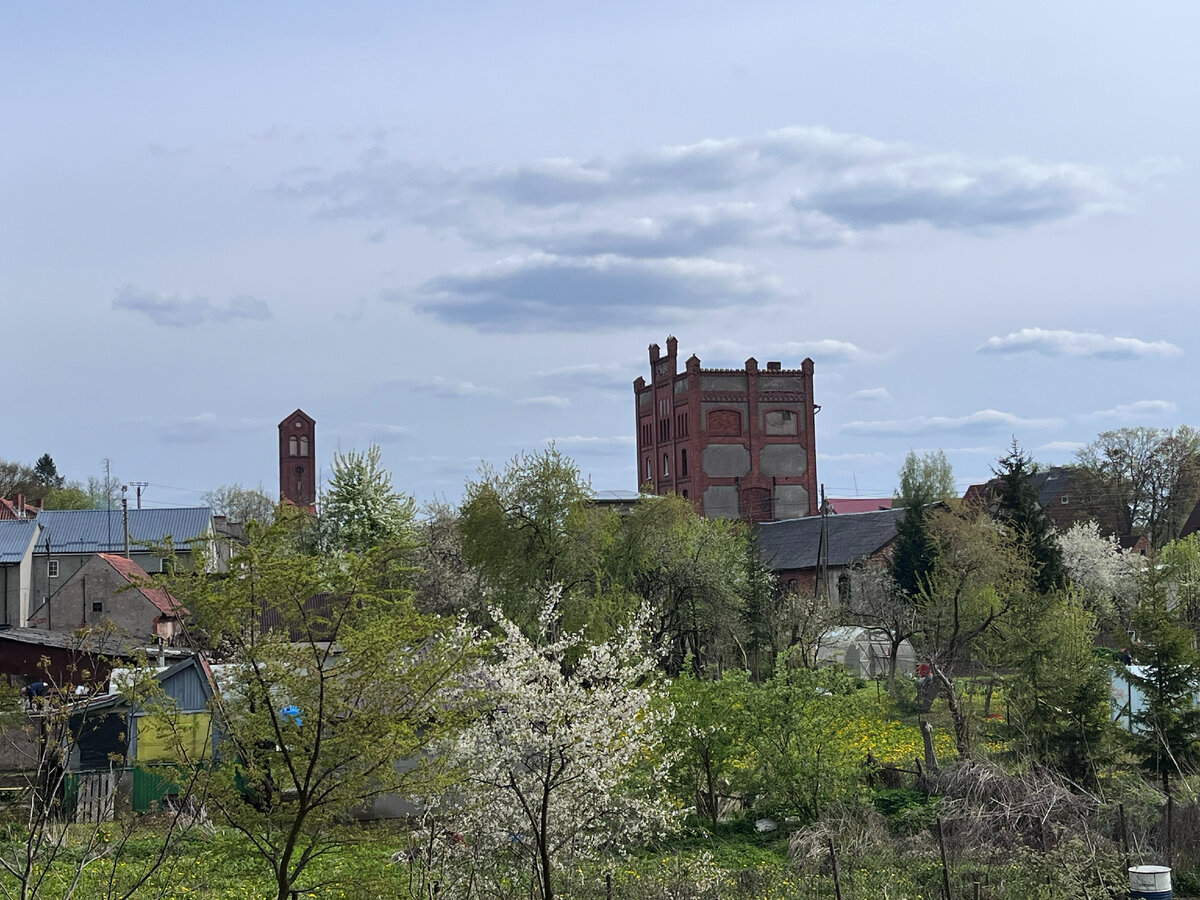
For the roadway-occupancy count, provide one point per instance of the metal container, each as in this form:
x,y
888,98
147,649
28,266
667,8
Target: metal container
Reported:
x,y
1150,883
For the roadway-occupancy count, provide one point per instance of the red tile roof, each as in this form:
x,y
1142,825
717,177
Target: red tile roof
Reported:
x,y
138,577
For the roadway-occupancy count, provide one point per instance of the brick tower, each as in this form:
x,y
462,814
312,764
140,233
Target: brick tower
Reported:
x,y
297,460
740,443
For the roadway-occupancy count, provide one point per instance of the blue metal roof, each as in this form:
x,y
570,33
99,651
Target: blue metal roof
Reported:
x,y
15,537
101,530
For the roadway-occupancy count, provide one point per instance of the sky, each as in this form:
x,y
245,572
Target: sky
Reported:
x,y
453,228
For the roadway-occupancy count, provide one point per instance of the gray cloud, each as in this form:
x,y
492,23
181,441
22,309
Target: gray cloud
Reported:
x,y
980,421
542,292
872,394
826,351
178,312
955,193
839,183
1077,344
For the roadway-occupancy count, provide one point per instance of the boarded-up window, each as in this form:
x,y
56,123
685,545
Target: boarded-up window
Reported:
x,y
781,421
725,422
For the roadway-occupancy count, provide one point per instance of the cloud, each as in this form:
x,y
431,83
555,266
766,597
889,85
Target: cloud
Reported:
x,y
872,395
542,292
594,376
1140,409
179,312
951,192
826,351
873,458
829,184
206,428
549,401
982,420
440,386
1086,344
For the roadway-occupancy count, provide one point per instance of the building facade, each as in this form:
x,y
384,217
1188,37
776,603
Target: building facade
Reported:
x,y
297,460
739,443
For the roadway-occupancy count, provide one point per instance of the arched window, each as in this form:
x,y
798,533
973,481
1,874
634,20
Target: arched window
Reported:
x,y
649,469
666,469
683,464
304,445
293,446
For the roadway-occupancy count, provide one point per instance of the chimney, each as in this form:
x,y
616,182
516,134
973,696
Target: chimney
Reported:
x,y
774,367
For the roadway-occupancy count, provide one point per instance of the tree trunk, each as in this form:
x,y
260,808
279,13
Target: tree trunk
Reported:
x,y
962,728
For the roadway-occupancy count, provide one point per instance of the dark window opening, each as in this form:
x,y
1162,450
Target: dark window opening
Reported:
x,y
98,606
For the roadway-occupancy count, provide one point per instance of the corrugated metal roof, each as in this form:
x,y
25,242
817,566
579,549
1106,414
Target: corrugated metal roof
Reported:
x,y
100,530
794,543
15,537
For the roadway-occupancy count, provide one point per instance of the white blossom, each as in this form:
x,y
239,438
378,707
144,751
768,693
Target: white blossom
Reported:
x,y
566,763
1097,565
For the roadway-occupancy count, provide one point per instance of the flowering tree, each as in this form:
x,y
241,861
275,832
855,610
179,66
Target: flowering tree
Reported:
x,y
565,762
361,510
1099,567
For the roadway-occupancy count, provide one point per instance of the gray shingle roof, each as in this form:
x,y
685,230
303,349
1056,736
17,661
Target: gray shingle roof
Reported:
x,y
100,531
794,543
15,536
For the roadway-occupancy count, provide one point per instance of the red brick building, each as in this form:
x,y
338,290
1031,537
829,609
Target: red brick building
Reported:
x,y
297,460
740,443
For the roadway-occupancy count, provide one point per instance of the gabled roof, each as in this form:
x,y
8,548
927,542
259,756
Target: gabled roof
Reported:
x,y
15,537
140,579
101,530
1049,483
795,543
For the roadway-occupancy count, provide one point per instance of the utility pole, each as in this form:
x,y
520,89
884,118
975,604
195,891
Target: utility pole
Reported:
x,y
139,485
125,516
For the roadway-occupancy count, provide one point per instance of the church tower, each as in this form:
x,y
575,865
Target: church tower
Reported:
x,y
297,460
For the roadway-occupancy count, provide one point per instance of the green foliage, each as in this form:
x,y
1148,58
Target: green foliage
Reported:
x,y
1059,693
925,478
907,811
46,472
241,504
1016,505
1166,732
369,676
693,573
529,527
69,496
360,510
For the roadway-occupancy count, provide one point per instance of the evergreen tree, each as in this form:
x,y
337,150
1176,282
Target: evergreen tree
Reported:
x,y
47,473
924,480
1016,505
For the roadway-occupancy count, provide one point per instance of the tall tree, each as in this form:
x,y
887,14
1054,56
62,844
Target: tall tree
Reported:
x,y
526,528
924,479
1015,503
979,577
565,760
1166,730
319,710
360,510
1150,476
241,504
47,472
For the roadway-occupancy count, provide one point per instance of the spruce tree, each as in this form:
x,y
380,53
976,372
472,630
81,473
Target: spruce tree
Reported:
x,y
1015,501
